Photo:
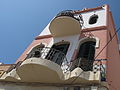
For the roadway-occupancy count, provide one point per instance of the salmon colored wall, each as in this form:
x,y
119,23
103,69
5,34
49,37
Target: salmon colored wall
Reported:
x,y
34,43
113,63
102,35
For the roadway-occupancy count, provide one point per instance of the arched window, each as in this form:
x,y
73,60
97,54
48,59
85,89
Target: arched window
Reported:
x,y
93,19
85,56
36,51
87,50
57,52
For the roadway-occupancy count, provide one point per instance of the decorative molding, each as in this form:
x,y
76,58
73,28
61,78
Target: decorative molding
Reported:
x,y
42,37
88,10
85,39
83,30
94,28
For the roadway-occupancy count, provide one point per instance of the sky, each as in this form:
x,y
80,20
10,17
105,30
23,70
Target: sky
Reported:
x,y
22,20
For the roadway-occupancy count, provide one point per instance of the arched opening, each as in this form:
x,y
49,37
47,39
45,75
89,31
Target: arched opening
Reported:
x,y
93,19
85,56
36,51
87,50
58,52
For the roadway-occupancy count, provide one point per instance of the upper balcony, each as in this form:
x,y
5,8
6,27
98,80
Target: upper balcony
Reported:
x,y
64,24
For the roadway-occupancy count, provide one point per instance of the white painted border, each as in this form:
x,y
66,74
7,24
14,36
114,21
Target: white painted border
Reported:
x,y
96,39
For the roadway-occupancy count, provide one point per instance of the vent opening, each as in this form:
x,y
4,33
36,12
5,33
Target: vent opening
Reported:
x,y
93,19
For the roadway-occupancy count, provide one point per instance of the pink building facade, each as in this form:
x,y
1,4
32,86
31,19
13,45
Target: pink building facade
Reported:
x,y
69,52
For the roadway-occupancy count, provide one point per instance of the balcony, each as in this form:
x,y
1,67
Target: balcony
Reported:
x,y
76,75
50,66
65,24
43,66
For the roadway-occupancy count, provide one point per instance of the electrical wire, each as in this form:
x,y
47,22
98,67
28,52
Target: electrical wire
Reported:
x,y
108,43
99,52
101,49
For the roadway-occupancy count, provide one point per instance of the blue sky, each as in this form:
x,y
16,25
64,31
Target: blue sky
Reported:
x,y
22,20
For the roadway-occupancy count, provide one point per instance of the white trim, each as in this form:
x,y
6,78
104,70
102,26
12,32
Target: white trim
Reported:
x,y
96,39
97,42
71,46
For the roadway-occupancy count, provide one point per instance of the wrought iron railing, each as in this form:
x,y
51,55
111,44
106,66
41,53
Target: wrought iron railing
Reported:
x,y
59,58
67,13
47,53
99,66
95,65
51,54
84,64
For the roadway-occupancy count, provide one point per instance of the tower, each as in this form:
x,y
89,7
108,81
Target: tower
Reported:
x,y
69,54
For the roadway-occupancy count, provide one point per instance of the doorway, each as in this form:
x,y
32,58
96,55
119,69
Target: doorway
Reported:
x,y
85,56
58,52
